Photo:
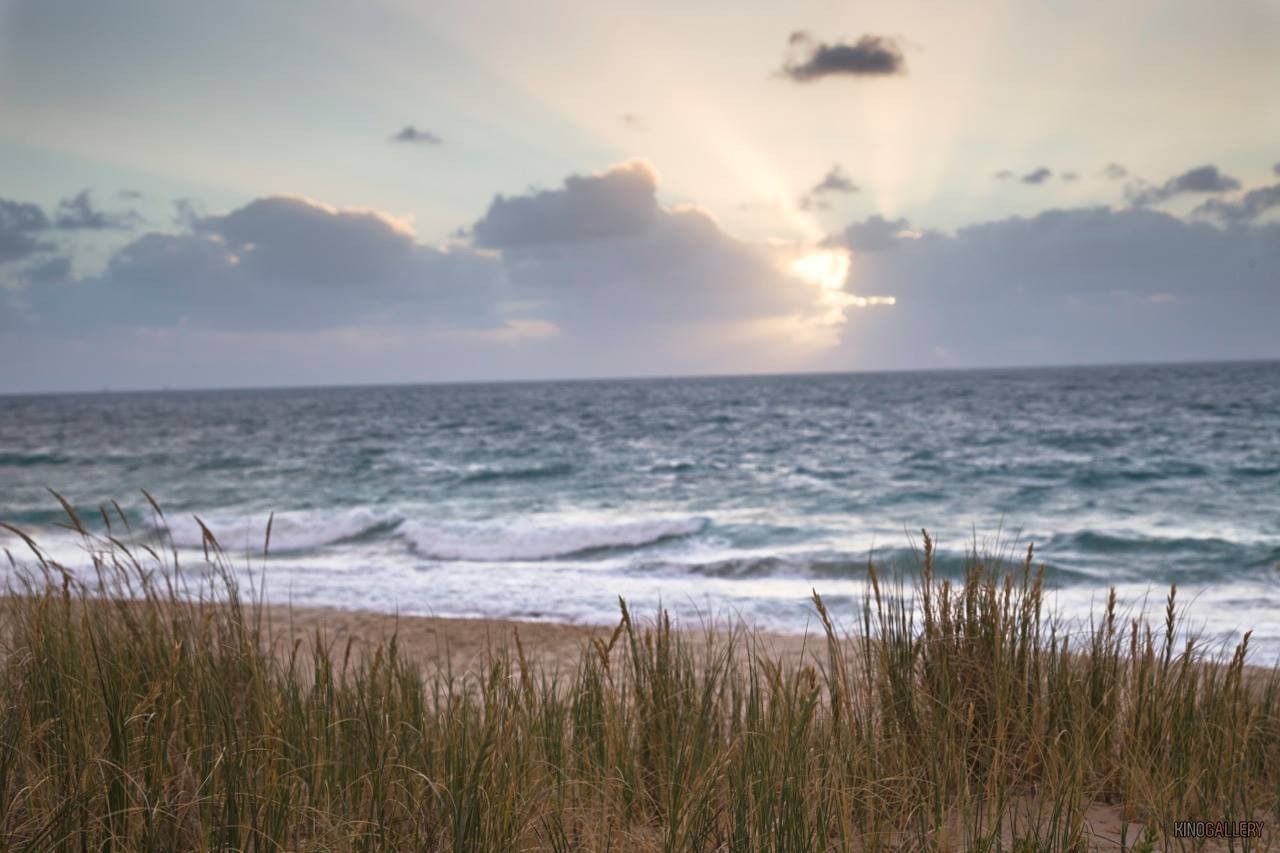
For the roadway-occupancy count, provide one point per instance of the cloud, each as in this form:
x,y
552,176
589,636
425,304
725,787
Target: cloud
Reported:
x,y
1034,177
1070,176
680,272
1205,179
1251,206
19,223
836,182
48,271
292,238
633,121
1115,172
1037,176
187,212
1202,179
595,275
604,260
620,202
281,263
78,213
1276,168
414,136
869,56
875,234
1065,286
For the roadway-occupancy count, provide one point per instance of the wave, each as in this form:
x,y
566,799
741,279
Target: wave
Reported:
x,y
532,472
1097,541
1091,478
1205,557
27,460
829,474
537,539
758,566
889,563
226,463
298,530
1256,471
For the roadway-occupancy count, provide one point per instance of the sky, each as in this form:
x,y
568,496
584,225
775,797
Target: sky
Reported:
x,y
296,193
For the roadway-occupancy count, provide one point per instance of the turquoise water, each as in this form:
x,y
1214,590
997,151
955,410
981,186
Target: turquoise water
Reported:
x,y
726,495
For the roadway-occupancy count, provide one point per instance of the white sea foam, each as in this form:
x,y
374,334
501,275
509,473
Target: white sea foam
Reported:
x,y
541,537
290,531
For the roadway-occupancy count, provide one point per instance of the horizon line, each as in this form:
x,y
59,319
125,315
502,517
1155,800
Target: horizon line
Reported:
x,y
656,377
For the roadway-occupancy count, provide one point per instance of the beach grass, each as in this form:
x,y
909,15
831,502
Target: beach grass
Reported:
x,y
150,709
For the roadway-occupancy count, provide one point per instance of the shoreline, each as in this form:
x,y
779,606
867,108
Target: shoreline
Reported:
x,y
463,641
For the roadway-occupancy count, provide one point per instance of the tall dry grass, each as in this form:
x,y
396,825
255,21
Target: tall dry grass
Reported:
x,y
146,709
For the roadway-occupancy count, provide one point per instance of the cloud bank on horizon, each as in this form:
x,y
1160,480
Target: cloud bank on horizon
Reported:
x,y
633,259
597,277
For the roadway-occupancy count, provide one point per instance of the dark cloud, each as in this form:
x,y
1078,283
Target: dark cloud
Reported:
x,y
292,238
1202,179
19,223
1251,206
626,293
1076,285
414,136
278,263
1037,176
48,271
129,195
1276,168
604,259
187,212
869,56
1115,172
599,258
835,182
618,203
610,281
1034,177
1070,176
875,234
78,213
1205,179
605,278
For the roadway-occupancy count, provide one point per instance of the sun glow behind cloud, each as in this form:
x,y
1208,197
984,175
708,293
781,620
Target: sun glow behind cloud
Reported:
x,y
828,270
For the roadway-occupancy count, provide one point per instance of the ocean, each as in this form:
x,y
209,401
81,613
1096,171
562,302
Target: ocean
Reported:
x,y
712,497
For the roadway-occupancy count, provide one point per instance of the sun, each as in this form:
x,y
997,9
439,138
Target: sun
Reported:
x,y
827,268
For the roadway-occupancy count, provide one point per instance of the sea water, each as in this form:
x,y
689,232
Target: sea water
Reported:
x,y
711,497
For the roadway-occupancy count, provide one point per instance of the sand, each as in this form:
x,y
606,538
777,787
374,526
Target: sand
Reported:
x,y
464,643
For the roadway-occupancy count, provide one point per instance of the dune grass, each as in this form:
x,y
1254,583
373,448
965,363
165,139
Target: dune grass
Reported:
x,y
148,709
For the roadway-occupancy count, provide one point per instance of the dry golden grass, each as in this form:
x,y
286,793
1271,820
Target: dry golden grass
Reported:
x,y
142,711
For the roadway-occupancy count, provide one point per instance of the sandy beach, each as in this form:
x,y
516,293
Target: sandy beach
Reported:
x,y
463,644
